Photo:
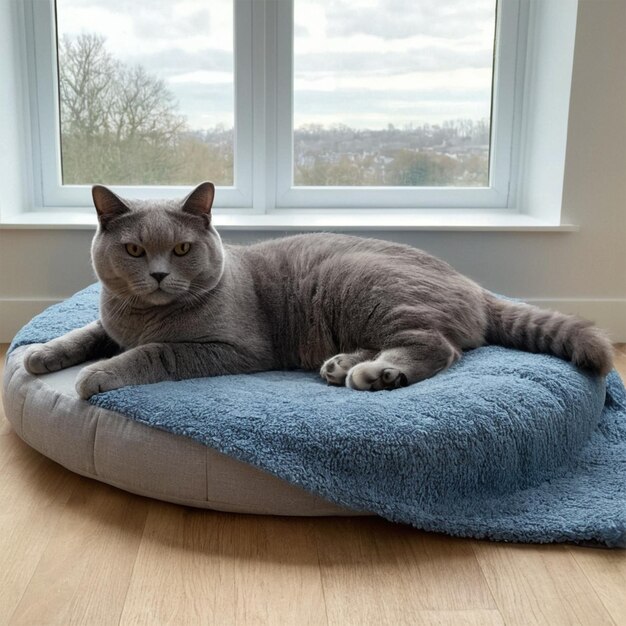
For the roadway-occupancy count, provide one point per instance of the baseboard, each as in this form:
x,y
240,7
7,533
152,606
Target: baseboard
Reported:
x,y
609,314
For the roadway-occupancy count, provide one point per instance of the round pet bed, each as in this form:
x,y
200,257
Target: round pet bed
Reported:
x,y
506,444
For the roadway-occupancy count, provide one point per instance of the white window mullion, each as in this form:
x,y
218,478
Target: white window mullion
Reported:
x,y
244,99
264,47
284,102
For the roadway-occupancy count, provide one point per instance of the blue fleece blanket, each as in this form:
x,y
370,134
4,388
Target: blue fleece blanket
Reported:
x,y
505,445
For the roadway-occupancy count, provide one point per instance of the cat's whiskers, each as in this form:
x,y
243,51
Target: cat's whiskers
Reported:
x,y
141,288
117,312
199,297
179,286
124,303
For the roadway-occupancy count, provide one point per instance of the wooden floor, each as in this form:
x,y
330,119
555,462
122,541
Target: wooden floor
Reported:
x,y
74,551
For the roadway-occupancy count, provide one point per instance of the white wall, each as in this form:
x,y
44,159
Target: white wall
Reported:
x,y
583,272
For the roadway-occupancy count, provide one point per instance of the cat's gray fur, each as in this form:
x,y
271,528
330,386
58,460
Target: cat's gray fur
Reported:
x,y
367,313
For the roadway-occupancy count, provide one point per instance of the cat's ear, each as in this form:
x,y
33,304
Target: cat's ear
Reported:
x,y
108,205
200,200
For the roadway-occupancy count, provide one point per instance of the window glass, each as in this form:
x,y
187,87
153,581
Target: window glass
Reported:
x,y
393,92
146,91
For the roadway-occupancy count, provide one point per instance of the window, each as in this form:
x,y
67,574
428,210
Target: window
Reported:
x,y
282,103
415,101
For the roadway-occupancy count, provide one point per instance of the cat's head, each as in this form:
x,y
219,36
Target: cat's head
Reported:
x,y
157,251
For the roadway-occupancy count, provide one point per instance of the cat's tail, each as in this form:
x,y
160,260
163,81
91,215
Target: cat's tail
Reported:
x,y
526,327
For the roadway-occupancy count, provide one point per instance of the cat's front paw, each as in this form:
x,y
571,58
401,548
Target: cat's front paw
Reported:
x,y
43,359
95,379
375,376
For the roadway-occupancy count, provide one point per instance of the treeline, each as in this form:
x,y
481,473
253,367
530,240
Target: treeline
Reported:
x,y
453,153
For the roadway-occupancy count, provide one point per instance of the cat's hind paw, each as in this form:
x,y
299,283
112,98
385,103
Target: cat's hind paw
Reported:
x,y
335,369
375,376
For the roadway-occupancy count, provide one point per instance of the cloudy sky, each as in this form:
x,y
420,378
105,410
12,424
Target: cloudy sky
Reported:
x,y
364,63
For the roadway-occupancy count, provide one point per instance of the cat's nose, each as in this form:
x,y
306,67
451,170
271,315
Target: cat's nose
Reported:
x,y
159,276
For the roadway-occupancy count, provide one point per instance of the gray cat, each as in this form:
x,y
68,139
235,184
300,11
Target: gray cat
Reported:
x,y
176,303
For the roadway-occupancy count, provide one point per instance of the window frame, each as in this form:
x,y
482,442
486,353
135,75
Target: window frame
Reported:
x,y
40,22
263,65
511,25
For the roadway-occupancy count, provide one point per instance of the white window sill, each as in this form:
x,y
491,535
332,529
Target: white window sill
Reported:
x,y
320,219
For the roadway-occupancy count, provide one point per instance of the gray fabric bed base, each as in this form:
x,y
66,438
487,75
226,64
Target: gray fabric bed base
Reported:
x,y
47,414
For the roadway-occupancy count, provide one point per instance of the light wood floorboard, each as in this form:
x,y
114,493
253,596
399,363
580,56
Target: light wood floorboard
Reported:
x,y
227,568
75,551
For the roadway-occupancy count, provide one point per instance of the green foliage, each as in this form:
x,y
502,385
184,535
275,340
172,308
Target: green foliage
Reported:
x,y
208,157
419,169
453,154
403,168
344,171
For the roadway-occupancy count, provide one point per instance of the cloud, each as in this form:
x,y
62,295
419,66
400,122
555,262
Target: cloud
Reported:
x,y
375,62
150,26
175,62
422,59
206,105
415,82
376,109
203,77
398,19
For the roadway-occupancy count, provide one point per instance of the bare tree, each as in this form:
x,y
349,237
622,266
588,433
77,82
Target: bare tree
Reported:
x,y
87,74
119,124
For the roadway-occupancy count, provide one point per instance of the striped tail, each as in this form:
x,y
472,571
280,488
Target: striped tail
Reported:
x,y
526,327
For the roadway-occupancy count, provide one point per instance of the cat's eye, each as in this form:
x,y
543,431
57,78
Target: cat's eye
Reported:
x,y
134,250
181,249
